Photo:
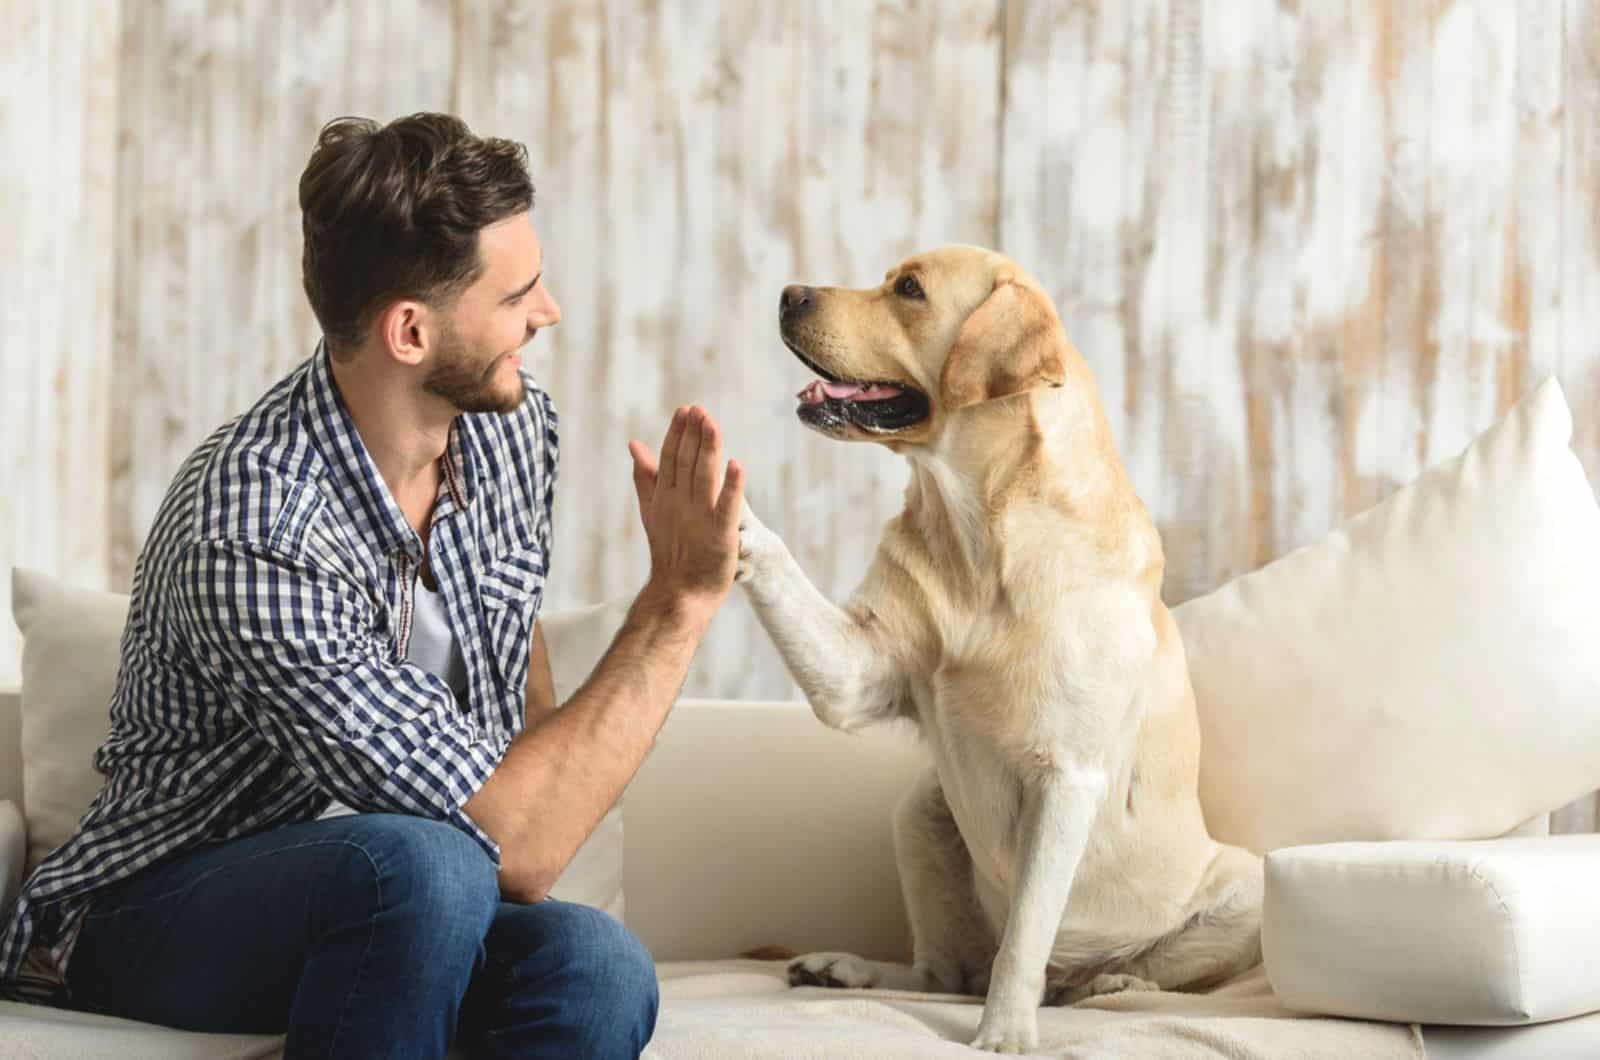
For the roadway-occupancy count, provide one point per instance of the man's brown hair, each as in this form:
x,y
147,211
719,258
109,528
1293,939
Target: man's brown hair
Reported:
x,y
393,211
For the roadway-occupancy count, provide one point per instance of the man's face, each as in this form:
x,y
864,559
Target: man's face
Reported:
x,y
475,365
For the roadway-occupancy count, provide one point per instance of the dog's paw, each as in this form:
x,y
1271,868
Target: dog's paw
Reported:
x,y
840,970
1008,1028
1098,986
757,546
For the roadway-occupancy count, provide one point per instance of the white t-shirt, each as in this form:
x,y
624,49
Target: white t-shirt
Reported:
x,y
432,647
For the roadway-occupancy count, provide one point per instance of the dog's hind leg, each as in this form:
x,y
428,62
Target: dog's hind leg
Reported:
x,y
1219,940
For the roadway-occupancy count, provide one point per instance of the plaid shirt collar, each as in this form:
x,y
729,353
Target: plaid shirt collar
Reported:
x,y
378,518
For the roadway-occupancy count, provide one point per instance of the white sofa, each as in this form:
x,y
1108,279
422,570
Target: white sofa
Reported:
x,y
1370,705
750,824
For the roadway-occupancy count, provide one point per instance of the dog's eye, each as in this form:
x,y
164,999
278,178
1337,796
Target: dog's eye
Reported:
x,y
908,287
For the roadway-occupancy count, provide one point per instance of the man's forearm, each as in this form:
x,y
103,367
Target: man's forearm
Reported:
x,y
562,774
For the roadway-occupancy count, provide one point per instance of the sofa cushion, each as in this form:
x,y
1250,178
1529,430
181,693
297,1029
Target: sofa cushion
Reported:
x,y
1494,932
1428,670
70,653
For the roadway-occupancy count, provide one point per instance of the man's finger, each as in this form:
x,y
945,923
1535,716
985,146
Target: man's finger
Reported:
x,y
644,472
708,464
668,469
731,502
688,449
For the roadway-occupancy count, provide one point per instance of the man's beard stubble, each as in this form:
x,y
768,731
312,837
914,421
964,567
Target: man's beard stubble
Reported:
x,y
467,382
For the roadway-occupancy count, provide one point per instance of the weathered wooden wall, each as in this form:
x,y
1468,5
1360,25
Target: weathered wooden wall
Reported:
x,y
1307,250
59,359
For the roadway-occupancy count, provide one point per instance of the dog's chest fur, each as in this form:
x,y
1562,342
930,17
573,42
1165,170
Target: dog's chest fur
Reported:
x,y
988,745
1032,670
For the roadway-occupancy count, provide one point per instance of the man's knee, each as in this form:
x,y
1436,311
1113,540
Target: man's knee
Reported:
x,y
602,973
417,873
606,952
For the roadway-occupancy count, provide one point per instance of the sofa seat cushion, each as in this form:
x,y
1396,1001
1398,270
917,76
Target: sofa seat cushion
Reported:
x,y
41,1033
1485,933
745,1010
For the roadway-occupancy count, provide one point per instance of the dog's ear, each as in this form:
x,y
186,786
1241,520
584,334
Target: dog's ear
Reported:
x,y
1011,343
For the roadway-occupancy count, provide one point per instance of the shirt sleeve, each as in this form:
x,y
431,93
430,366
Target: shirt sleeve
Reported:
x,y
296,650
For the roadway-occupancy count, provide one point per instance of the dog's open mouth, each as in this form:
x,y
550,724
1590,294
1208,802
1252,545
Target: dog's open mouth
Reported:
x,y
879,406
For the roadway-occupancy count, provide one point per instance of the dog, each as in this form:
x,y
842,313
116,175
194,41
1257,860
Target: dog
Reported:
x,y
1055,848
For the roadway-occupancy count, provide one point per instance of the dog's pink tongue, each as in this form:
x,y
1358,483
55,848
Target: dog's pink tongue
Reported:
x,y
855,392
818,391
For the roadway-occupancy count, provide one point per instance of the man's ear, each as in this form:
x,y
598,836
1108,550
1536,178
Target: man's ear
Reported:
x,y
400,327
1011,343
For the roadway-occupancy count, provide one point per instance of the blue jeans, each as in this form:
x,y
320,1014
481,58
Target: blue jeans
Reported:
x,y
374,935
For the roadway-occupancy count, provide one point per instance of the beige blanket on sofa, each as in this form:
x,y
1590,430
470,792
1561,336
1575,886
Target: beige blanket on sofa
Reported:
x,y
745,1009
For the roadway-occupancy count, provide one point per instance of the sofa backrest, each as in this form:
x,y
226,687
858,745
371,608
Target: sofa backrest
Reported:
x,y
748,824
752,823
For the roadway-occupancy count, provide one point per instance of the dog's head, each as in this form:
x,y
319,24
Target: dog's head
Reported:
x,y
945,331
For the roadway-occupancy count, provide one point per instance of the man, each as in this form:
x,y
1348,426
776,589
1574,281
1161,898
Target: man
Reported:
x,y
337,790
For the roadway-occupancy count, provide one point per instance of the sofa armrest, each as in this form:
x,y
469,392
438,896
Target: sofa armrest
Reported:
x,y
13,851
1495,932
753,823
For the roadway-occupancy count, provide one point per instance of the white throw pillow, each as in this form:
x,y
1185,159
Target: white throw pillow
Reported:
x,y
70,654
1430,670
1492,933
71,641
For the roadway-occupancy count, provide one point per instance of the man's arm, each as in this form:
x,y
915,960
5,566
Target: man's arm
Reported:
x,y
563,772
541,695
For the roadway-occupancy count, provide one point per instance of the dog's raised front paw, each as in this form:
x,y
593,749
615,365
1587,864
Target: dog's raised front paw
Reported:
x,y
843,970
757,545
1008,1028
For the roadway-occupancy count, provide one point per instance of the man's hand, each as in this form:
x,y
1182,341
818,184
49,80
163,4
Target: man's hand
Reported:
x,y
690,511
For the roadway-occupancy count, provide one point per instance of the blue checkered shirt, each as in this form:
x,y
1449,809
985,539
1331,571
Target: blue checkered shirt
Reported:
x,y
264,670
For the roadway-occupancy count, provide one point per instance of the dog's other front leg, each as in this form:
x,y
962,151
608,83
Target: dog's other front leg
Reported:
x,y
837,657
1058,806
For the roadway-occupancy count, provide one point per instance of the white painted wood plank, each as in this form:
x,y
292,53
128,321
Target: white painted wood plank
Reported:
x,y
1531,294
58,87
1580,227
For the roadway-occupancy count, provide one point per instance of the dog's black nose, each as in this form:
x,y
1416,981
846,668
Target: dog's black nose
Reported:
x,y
795,300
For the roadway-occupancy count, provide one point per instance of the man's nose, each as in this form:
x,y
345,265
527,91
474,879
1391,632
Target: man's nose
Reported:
x,y
546,311
795,301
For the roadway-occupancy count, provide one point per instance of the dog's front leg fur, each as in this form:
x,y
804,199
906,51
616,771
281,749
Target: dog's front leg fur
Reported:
x,y
848,678
1058,806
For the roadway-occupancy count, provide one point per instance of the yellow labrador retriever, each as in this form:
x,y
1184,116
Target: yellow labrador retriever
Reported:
x,y
1055,849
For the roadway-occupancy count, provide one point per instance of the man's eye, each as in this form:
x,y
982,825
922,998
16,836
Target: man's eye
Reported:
x,y
908,287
